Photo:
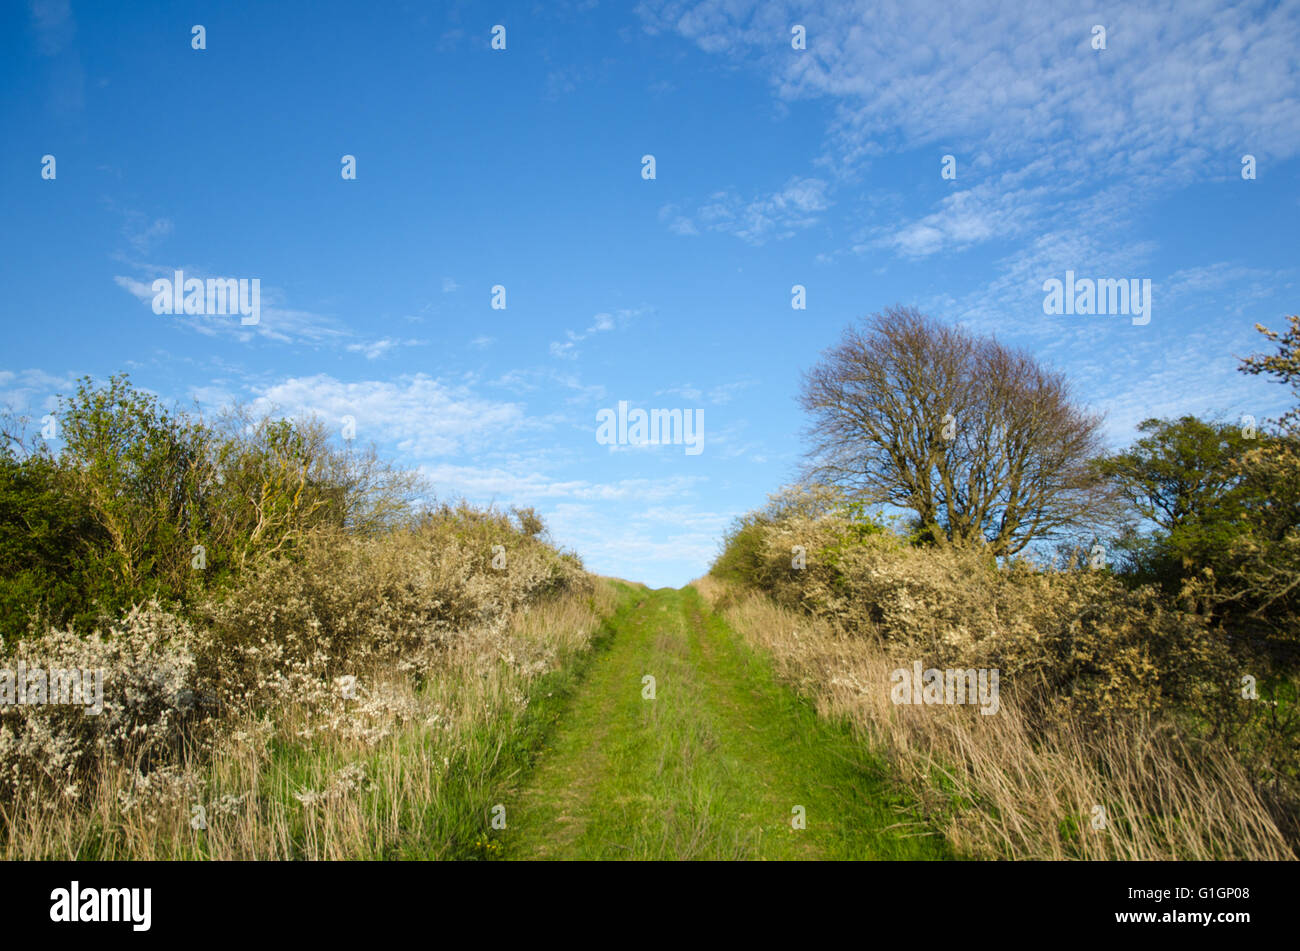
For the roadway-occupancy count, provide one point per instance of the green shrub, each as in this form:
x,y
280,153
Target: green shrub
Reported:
x,y
143,504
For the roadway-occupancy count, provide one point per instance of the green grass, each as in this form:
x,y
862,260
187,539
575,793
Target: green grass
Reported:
x,y
712,768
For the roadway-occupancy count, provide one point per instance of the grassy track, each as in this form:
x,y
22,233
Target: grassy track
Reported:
x,y
712,768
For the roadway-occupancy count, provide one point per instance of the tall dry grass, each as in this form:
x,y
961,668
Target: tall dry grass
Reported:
x,y
1012,785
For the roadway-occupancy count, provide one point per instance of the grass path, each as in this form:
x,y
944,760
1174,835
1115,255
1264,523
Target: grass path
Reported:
x,y
711,768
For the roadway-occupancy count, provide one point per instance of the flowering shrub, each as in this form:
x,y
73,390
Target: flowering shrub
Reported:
x,y
285,636
351,603
149,703
1096,644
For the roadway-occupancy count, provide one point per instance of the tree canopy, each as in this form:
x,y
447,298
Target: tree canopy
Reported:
x,y
984,444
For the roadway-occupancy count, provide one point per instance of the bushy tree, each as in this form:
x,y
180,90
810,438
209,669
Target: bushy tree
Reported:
x,y
981,442
142,472
1181,478
145,502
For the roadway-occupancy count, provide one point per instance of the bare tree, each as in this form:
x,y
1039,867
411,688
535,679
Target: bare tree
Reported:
x,y
981,442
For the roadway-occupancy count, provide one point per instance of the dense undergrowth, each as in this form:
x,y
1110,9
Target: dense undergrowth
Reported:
x,y
1117,702
298,658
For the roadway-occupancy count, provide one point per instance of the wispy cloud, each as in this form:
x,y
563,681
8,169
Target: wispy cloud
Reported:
x,y
375,349
775,216
143,232
965,218
566,349
1173,86
717,395
277,322
419,415
32,391
481,482
1085,137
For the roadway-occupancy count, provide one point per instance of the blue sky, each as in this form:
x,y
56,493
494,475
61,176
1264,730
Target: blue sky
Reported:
x,y
522,168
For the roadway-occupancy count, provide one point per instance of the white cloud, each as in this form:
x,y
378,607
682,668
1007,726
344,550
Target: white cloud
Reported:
x,y
1086,136
563,350
137,289
717,395
965,218
143,233
419,415
275,322
1233,288
481,482
34,392
378,348
769,217
1177,88
602,323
